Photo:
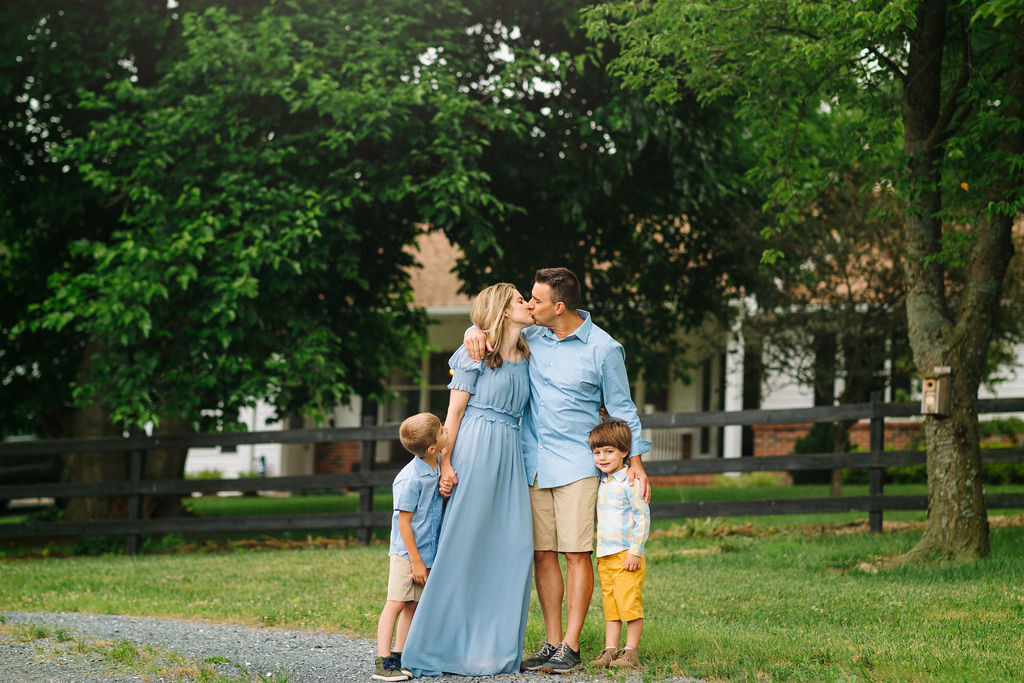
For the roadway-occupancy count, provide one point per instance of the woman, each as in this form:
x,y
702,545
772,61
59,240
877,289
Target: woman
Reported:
x,y
472,616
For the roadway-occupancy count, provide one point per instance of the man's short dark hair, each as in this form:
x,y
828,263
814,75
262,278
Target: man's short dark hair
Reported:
x,y
564,286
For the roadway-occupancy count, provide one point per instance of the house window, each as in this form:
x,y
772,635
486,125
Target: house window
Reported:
x,y
426,393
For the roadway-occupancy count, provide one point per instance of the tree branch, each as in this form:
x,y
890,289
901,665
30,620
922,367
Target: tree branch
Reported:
x,y
893,66
943,128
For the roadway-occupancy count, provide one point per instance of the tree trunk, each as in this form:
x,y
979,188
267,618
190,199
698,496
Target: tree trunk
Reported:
x,y
941,332
166,463
839,445
94,421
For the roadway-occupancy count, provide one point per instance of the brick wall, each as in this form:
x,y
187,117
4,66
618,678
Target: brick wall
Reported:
x,y
780,439
339,457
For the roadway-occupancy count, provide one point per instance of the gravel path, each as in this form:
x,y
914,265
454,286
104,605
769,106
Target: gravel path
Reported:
x,y
238,652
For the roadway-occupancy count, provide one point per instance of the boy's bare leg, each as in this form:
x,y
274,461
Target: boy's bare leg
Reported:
x,y
612,631
548,576
404,620
633,630
386,626
579,581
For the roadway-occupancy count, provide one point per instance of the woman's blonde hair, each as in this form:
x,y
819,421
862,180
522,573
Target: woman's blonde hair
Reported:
x,y
488,314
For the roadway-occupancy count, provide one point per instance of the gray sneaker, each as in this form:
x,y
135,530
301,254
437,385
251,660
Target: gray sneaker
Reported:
x,y
540,659
564,661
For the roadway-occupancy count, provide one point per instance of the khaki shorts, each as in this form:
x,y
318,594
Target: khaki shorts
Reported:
x,y
621,591
564,516
401,587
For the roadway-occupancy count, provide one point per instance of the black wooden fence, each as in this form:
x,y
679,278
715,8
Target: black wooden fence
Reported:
x,y
877,459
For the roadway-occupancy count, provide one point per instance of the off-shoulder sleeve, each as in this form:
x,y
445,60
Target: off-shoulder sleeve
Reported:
x,y
465,371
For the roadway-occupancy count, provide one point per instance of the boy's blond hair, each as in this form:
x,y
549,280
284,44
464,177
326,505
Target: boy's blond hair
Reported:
x,y
614,433
419,432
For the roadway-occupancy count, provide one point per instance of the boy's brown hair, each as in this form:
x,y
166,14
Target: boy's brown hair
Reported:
x,y
419,432
614,433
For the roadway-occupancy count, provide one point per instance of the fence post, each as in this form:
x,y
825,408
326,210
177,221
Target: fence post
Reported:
x,y
131,544
875,476
366,494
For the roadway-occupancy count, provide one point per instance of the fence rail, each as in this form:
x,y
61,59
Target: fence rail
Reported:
x,y
367,479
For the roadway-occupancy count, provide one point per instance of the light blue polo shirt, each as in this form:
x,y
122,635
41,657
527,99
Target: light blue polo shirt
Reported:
x,y
415,490
569,381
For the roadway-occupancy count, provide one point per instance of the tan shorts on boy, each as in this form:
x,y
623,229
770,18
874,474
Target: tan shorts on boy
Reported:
x,y
563,517
401,587
621,591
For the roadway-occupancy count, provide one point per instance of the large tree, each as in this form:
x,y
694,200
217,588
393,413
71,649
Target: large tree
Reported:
x,y
251,176
928,97
268,183
54,50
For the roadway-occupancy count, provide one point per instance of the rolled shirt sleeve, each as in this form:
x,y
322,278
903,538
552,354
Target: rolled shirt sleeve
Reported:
x,y
615,389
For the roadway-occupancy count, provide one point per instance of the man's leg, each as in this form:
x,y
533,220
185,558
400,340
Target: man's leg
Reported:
x,y
579,581
548,575
575,506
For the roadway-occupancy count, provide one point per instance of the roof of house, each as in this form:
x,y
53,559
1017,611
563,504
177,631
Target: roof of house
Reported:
x,y
435,284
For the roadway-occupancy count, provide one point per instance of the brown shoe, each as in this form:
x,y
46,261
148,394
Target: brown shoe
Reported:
x,y
605,658
627,659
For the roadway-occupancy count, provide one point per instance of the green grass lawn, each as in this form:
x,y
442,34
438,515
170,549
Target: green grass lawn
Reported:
x,y
785,605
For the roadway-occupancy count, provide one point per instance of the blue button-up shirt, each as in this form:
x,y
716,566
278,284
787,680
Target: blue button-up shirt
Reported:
x,y
569,381
415,490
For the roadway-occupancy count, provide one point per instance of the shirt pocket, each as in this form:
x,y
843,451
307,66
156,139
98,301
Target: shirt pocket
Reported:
x,y
578,375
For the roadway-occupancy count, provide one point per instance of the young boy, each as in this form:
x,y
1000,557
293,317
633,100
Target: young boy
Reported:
x,y
415,525
623,524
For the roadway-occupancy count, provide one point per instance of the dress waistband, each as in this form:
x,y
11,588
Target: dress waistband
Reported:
x,y
492,416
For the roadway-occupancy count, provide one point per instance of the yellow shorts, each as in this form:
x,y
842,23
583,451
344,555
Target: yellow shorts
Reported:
x,y
563,517
401,587
621,591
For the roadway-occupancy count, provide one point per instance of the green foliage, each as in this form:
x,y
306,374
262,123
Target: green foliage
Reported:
x,y
268,183
746,480
230,192
1002,426
52,50
786,65
645,201
820,438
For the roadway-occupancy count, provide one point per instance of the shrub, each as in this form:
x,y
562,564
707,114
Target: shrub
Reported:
x,y
820,438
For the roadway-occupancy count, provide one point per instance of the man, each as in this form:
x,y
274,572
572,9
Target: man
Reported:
x,y
575,369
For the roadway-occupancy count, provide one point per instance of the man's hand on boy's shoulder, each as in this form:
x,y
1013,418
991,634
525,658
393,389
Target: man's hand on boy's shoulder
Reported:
x,y
636,472
631,563
419,571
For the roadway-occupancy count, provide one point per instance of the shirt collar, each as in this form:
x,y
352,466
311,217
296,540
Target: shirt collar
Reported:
x,y
619,476
582,332
423,469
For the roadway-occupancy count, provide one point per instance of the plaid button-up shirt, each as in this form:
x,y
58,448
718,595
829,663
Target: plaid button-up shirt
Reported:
x,y
623,518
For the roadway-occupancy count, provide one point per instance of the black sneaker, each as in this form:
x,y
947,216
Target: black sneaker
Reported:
x,y
540,659
388,669
563,661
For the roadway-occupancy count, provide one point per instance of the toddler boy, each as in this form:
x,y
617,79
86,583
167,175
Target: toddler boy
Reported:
x,y
623,524
415,525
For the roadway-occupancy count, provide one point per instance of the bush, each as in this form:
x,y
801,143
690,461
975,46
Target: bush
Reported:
x,y
993,474
820,438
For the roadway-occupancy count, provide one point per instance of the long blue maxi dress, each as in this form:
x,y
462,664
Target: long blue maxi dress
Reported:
x,y
471,618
